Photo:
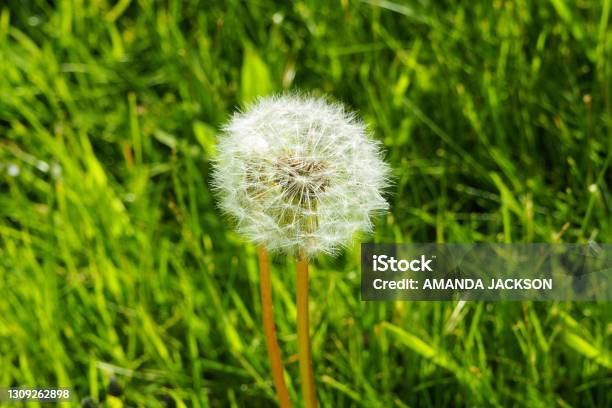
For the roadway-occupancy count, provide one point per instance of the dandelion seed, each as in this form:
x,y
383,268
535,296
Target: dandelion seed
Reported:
x,y
13,170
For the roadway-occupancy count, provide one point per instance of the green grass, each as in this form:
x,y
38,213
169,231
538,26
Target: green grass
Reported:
x,y
114,260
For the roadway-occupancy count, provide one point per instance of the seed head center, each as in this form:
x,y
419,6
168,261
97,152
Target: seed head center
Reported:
x,y
302,179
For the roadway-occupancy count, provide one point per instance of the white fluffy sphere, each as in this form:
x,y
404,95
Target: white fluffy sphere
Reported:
x,y
299,174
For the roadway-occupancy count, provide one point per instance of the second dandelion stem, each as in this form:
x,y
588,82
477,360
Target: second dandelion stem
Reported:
x,y
303,332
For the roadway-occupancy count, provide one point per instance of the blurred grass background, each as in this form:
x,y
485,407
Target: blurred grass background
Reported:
x,y
115,263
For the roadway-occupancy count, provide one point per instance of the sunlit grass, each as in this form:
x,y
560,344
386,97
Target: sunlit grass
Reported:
x,y
114,260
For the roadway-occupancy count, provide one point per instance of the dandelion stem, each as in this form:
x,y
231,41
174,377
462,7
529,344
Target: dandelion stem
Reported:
x,y
303,327
274,354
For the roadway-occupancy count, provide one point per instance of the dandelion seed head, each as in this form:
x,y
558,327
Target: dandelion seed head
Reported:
x,y
299,174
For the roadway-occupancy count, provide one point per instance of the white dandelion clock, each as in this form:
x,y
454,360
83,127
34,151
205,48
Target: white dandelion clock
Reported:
x,y
299,174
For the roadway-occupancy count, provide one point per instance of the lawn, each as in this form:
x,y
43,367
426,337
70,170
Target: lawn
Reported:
x,y
116,266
